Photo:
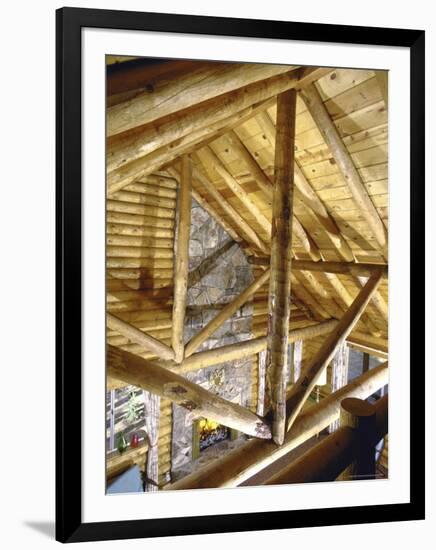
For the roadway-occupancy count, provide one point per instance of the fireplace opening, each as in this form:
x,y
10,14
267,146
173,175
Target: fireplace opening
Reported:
x,y
207,432
211,432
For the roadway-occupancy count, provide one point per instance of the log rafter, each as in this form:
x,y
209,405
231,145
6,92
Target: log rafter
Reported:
x,y
145,374
240,350
145,165
140,337
182,258
301,391
205,82
225,314
343,159
199,118
127,258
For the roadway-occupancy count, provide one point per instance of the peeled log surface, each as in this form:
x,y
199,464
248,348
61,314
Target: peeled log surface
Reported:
x,y
181,267
347,299
328,459
352,268
143,166
252,457
237,219
225,314
369,344
306,240
142,74
149,376
204,82
209,159
340,267
377,300
256,171
382,80
307,195
210,210
281,257
160,133
305,384
236,351
247,348
136,335
345,163
312,201
217,217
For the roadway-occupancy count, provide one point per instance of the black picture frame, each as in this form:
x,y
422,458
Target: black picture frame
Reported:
x,y
69,22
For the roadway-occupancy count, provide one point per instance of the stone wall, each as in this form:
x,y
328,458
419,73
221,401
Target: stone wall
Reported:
x,y
219,271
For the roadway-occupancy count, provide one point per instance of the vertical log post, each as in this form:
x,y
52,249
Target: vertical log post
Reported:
x,y
152,419
297,357
281,255
360,415
339,375
181,267
261,363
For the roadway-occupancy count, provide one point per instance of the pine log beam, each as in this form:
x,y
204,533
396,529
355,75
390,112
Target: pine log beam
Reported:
x,y
129,146
249,234
305,193
328,459
142,75
209,159
149,376
225,314
133,165
181,264
339,373
369,344
210,210
243,463
377,300
311,200
356,269
281,258
132,152
268,126
234,352
306,297
309,245
135,335
345,163
322,296
206,81
347,300
247,348
262,180
382,80
304,386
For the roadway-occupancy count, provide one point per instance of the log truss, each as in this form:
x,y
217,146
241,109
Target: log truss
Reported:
x,y
231,146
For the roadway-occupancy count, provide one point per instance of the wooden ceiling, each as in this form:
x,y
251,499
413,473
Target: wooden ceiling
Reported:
x,y
224,116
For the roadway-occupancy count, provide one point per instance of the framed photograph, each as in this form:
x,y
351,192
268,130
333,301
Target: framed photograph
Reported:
x,y
240,274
